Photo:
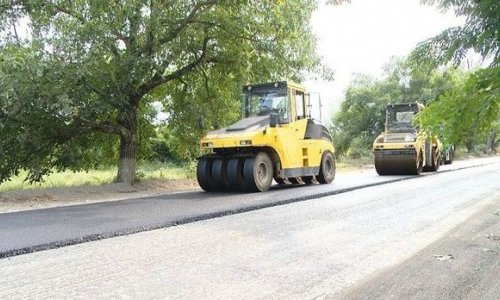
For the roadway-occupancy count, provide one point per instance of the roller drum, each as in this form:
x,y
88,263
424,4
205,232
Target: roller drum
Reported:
x,y
397,162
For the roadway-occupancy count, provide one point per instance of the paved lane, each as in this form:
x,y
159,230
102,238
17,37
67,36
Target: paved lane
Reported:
x,y
468,269
28,231
302,250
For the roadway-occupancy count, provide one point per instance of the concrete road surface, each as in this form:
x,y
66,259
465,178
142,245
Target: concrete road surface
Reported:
x,y
29,231
463,264
316,248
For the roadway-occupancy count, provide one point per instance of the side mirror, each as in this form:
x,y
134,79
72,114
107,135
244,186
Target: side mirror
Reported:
x,y
201,122
273,119
377,127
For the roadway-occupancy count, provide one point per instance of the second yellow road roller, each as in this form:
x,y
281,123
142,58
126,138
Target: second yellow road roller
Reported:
x,y
276,138
404,148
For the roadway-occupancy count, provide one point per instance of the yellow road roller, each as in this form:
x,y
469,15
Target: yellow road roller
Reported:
x,y
404,148
276,138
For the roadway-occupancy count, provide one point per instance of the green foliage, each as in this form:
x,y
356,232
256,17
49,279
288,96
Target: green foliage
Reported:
x,y
358,149
78,90
34,120
480,33
468,111
360,110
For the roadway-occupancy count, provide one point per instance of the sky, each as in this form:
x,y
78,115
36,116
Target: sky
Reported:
x,y
362,36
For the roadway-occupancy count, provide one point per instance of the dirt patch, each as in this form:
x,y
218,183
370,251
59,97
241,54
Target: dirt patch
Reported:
x,y
61,196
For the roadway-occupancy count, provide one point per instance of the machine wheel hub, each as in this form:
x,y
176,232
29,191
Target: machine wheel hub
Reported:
x,y
262,172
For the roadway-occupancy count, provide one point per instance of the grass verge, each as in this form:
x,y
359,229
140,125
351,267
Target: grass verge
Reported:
x,y
345,164
97,177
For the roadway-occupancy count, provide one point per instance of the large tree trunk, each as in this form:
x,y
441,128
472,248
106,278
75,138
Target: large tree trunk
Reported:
x,y
471,146
491,143
129,143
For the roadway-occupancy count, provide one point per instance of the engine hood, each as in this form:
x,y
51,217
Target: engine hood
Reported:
x,y
391,137
243,126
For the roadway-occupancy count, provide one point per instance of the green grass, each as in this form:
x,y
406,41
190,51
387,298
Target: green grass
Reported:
x,y
166,171
97,177
344,164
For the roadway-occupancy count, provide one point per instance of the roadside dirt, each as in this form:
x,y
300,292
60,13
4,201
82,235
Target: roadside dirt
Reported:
x,y
464,264
63,196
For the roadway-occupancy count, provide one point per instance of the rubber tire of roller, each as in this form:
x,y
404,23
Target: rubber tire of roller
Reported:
x,y
234,174
218,175
203,173
258,172
326,169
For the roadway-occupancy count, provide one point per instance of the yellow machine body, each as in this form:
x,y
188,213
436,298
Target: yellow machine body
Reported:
x,y
295,143
297,156
406,150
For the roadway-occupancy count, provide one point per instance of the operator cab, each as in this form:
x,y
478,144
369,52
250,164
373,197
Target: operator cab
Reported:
x,y
399,117
276,98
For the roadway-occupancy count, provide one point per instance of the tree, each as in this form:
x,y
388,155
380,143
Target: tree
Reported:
x,y
469,111
479,33
360,110
78,88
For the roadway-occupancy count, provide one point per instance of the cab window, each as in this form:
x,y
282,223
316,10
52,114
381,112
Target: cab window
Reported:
x,y
299,105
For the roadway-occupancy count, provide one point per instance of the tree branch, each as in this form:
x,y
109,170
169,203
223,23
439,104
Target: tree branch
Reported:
x,y
157,79
252,38
84,126
187,20
18,41
60,9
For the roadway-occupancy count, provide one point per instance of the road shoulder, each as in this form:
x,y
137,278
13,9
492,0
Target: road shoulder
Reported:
x,y
464,264
31,199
